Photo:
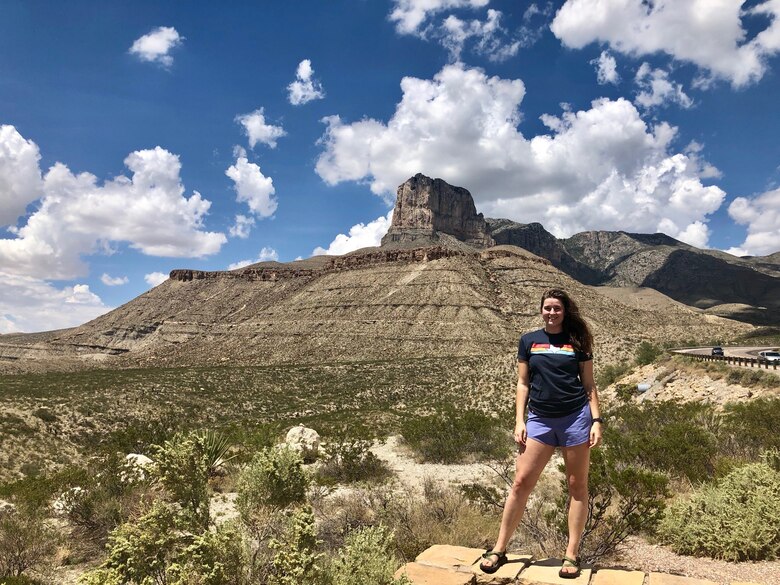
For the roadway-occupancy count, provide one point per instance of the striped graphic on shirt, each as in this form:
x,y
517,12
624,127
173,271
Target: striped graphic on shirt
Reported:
x,y
541,348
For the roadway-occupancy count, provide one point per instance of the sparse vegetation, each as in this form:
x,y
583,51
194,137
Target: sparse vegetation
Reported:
x,y
351,460
27,542
450,436
736,519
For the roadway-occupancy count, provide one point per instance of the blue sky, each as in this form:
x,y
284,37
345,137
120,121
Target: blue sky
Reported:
x,y
140,137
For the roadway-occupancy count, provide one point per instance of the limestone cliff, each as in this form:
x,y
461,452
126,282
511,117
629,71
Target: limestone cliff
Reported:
x,y
425,208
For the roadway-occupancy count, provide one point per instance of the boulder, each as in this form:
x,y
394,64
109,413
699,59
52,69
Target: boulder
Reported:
x,y
304,440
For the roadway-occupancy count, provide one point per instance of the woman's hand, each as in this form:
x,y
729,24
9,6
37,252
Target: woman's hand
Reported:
x,y
595,434
520,433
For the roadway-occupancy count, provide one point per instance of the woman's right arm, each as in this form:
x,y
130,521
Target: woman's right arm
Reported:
x,y
521,400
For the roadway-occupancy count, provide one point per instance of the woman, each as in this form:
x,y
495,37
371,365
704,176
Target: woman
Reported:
x,y
555,381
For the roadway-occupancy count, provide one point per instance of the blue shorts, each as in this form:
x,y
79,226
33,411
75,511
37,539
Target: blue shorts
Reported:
x,y
565,431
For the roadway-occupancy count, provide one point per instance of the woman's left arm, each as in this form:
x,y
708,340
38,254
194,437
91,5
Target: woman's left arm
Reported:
x,y
586,375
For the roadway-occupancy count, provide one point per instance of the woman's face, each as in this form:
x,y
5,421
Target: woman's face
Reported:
x,y
553,313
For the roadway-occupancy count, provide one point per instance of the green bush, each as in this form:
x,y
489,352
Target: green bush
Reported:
x,y
736,519
611,373
160,547
182,467
647,353
669,437
751,427
366,559
296,557
275,477
26,542
450,436
351,460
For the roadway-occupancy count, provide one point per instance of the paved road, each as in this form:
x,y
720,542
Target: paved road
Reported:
x,y
745,351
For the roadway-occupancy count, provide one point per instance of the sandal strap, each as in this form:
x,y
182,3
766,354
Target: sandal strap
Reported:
x,y
573,562
489,553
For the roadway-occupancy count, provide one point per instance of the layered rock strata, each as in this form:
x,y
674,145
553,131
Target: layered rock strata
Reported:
x,y
425,208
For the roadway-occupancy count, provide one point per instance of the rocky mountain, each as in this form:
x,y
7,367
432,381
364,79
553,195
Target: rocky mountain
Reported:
x,y
437,287
426,209
747,289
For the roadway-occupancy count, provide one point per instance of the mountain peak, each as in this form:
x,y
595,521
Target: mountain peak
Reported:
x,y
425,208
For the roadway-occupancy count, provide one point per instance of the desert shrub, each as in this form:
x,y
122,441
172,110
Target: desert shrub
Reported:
x,y
45,415
351,460
102,496
342,514
449,436
275,477
181,465
670,437
751,427
137,436
215,557
647,353
625,392
736,519
441,516
752,378
26,543
623,500
366,559
611,373
161,547
295,561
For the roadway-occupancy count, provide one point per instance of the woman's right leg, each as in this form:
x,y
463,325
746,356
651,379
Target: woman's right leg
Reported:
x,y
530,464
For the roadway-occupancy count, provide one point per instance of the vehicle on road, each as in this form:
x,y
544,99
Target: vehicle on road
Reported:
x,y
717,351
769,356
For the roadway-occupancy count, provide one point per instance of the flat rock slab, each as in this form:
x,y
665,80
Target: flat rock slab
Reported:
x,y
545,571
506,573
428,575
744,583
664,579
445,555
617,577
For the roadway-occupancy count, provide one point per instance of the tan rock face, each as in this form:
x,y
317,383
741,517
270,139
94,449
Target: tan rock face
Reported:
x,y
425,206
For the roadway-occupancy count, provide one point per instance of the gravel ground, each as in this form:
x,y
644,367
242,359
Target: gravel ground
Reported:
x,y
640,555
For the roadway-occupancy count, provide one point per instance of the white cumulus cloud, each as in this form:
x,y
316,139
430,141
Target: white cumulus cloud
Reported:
x,y
29,304
252,187
155,278
711,34
657,90
242,227
20,175
491,39
304,89
77,217
360,236
761,215
265,255
606,68
601,168
155,47
410,15
257,130
109,280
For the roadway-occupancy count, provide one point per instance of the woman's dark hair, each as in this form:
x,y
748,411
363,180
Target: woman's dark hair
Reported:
x,y
573,323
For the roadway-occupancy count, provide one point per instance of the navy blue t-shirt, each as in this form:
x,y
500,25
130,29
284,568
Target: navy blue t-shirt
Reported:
x,y
554,365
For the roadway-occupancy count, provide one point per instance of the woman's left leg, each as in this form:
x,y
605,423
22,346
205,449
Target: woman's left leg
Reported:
x,y
577,460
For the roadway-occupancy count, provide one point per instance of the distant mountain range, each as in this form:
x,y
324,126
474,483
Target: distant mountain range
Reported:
x,y
445,282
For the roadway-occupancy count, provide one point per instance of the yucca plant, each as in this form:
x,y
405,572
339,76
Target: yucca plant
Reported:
x,y
216,447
